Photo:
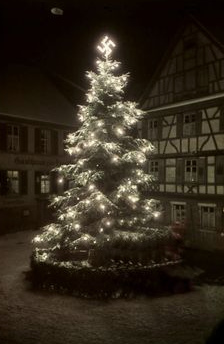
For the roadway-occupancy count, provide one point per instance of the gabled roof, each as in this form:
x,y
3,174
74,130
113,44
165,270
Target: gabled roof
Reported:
x,y
215,35
26,92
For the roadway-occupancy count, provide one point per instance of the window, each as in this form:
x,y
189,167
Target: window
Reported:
x,y
13,138
207,216
44,141
153,129
44,183
189,127
178,212
153,168
13,182
220,169
191,170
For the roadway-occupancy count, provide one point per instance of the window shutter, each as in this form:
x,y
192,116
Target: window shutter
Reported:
x,y
219,169
221,120
3,182
3,136
145,129
23,182
54,142
202,171
198,123
161,171
37,140
37,182
23,139
54,182
180,171
179,124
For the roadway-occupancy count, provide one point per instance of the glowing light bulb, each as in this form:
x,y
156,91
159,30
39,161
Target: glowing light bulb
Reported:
x,y
115,158
101,230
102,206
119,131
77,150
133,199
156,214
91,187
100,123
77,226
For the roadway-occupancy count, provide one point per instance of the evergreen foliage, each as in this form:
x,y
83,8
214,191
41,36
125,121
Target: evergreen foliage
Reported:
x,y
106,205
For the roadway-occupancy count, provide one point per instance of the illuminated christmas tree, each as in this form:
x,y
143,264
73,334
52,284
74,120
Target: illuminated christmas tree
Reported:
x,y
106,208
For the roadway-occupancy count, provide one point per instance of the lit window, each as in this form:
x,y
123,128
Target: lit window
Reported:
x,y
178,212
191,170
153,129
13,138
44,141
13,182
207,216
189,127
44,183
154,168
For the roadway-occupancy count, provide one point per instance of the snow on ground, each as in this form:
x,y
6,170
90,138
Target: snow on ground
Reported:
x,y
38,317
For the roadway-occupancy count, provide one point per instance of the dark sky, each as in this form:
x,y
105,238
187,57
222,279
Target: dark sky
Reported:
x,y
65,45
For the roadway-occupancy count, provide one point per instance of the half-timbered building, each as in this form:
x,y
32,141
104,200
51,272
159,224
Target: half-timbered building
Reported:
x,y
34,121
184,119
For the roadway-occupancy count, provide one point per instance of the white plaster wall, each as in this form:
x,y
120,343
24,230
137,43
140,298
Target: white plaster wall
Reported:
x,y
170,174
211,189
184,145
170,188
211,174
220,140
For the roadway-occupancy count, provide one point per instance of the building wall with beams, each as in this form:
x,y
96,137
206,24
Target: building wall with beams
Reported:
x,y
184,119
34,121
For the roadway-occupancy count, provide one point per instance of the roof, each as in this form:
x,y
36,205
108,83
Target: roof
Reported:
x,y
26,92
214,32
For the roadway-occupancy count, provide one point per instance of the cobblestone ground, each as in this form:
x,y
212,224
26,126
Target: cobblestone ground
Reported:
x,y
37,317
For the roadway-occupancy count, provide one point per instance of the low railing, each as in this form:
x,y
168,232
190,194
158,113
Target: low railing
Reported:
x,y
205,239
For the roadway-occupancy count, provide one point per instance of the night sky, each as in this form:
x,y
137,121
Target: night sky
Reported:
x,y
66,45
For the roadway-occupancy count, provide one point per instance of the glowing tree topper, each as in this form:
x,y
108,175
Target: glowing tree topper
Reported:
x,y
105,47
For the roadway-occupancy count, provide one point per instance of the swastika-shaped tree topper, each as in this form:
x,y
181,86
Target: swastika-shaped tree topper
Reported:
x,y
106,46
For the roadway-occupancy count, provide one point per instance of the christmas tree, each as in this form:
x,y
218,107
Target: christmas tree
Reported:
x,y
106,209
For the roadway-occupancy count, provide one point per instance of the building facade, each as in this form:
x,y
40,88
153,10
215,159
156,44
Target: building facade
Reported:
x,y
184,119
35,119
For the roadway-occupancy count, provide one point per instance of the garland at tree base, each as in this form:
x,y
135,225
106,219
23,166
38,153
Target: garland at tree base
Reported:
x,y
118,280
